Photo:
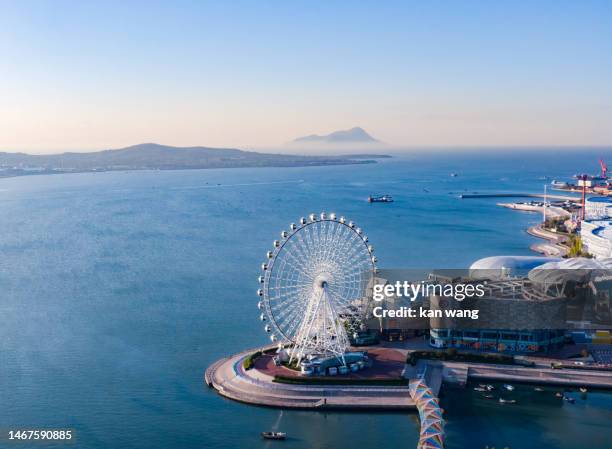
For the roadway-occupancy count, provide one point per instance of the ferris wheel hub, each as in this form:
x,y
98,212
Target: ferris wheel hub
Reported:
x,y
321,281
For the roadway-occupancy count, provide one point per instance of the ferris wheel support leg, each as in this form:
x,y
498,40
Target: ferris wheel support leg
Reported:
x,y
311,316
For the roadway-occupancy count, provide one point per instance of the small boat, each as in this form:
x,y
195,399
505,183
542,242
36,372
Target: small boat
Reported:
x,y
380,199
558,395
454,175
538,389
488,396
568,399
490,387
508,387
274,435
559,184
583,390
480,389
506,401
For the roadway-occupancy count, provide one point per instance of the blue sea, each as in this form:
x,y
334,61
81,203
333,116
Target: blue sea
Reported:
x,y
118,289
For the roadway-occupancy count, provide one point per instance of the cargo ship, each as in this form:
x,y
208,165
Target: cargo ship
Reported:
x,y
380,199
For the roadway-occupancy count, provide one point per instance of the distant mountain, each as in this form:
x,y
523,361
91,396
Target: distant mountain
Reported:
x,y
152,156
353,135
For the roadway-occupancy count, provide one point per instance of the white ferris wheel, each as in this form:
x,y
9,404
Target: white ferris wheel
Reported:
x,y
314,286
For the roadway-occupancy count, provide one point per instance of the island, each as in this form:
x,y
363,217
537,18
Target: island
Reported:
x,y
152,156
353,135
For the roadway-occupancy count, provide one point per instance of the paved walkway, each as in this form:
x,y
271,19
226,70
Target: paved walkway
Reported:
x,y
555,246
231,380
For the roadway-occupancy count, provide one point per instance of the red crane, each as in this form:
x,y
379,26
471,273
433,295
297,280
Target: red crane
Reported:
x,y
604,169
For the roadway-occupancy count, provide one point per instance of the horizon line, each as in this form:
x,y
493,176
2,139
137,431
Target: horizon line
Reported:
x,y
356,147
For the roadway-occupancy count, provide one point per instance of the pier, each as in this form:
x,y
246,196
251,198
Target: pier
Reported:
x,y
258,387
518,195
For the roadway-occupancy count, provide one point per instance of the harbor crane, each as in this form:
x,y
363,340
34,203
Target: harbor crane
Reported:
x,y
604,169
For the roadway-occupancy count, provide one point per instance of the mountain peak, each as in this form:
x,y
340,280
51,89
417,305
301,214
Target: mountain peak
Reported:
x,y
353,135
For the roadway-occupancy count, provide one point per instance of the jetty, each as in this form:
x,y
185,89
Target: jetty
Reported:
x,y
519,195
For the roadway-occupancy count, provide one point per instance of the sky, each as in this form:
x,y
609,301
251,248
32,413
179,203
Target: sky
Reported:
x,y
93,75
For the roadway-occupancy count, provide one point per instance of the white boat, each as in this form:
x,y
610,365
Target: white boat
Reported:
x,y
559,184
274,435
507,401
508,387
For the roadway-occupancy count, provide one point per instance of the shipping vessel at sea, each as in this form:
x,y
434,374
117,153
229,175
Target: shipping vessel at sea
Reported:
x,y
380,199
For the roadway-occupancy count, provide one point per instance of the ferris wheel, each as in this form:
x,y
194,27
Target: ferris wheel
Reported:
x,y
314,285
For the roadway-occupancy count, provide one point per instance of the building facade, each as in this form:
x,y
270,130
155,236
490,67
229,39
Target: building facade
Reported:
x,y
498,340
596,229
597,208
596,236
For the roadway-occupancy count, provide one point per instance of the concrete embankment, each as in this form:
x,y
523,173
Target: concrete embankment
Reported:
x,y
231,380
518,195
551,211
556,243
520,374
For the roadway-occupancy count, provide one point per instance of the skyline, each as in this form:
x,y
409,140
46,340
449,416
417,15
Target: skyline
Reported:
x,y
84,77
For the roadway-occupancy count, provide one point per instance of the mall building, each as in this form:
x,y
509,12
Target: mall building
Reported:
x,y
529,306
596,229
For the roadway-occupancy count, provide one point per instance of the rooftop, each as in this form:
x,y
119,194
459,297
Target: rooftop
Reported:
x,y
599,199
604,228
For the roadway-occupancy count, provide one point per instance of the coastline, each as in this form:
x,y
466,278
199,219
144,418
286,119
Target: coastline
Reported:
x,y
229,378
556,243
21,173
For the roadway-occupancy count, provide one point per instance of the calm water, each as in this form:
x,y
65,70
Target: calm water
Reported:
x,y
118,289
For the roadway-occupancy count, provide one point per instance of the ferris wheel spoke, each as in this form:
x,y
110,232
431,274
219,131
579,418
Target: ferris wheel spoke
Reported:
x,y
314,229
345,241
288,287
290,316
293,299
309,242
335,241
301,248
300,265
328,241
322,230
356,244
305,247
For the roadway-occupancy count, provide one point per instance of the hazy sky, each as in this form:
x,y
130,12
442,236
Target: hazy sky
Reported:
x,y
90,75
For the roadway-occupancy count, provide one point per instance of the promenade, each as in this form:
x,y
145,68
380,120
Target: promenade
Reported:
x,y
253,386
